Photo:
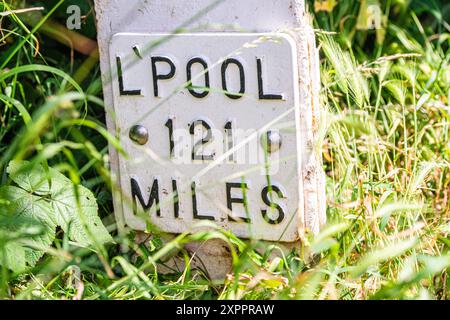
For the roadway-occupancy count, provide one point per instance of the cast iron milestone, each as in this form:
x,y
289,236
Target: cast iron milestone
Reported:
x,y
216,106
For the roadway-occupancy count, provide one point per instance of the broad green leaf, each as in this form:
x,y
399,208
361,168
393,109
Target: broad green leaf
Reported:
x,y
33,178
12,256
78,215
74,208
43,199
31,221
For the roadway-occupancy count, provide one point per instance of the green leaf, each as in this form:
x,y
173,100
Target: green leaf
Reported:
x,y
44,199
27,219
77,215
12,256
74,207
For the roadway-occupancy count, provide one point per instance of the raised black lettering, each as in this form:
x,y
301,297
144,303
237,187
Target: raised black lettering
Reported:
x,y
194,206
225,65
205,91
153,198
230,139
122,91
157,76
198,146
230,200
265,197
176,199
169,125
262,95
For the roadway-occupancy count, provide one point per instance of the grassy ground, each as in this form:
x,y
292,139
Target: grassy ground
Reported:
x,y
384,138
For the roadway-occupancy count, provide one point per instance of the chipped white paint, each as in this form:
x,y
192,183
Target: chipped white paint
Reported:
x,y
124,24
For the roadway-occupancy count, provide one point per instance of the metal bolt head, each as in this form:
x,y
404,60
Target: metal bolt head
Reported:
x,y
271,141
139,134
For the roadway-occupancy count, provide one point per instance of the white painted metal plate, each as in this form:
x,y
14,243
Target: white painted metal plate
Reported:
x,y
229,168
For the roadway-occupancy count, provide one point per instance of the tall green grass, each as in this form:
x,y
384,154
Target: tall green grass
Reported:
x,y
384,136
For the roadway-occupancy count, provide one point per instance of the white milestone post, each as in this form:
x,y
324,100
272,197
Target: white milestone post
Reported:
x,y
216,106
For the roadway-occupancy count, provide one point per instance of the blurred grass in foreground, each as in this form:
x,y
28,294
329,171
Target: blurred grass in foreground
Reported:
x,y
384,137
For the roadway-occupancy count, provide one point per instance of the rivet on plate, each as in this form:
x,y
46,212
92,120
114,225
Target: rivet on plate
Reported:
x,y
271,141
139,134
